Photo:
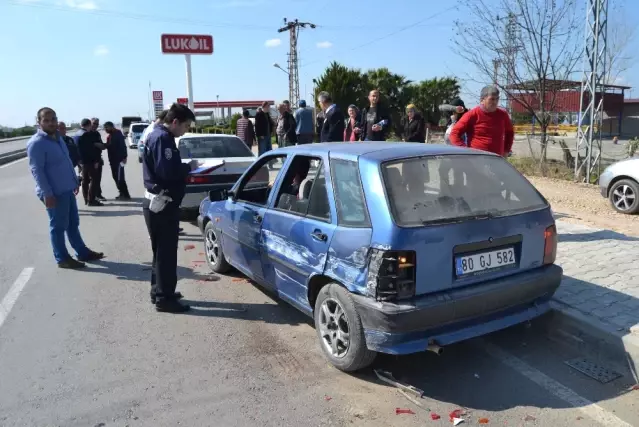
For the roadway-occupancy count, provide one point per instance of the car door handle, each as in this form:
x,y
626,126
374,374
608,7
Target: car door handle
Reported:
x,y
257,218
318,235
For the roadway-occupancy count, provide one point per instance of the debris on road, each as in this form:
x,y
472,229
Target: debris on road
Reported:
x,y
457,413
457,421
189,247
529,418
198,261
483,421
434,416
327,398
388,378
634,388
238,279
399,411
414,401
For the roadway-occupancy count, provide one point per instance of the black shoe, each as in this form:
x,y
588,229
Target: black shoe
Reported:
x,y
92,256
71,264
123,198
95,203
171,306
101,198
177,296
180,230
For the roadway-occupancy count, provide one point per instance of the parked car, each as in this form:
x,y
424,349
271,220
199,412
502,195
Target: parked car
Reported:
x,y
209,149
391,247
135,132
619,183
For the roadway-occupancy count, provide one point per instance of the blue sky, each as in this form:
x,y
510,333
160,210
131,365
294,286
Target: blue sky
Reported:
x,y
96,57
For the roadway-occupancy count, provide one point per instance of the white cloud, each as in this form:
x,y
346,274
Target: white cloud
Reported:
x,y
324,45
81,4
101,51
273,42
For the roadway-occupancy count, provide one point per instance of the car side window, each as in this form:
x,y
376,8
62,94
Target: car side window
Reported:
x,y
295,191
318,205
349,194
256,186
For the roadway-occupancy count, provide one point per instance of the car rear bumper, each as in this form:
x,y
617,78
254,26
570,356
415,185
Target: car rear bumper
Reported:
x,y
448,317
196,193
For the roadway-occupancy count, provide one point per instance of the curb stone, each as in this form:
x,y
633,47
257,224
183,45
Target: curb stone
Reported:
x,y
12,156
593,336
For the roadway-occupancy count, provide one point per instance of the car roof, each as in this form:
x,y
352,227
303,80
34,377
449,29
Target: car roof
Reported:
x,y
379,151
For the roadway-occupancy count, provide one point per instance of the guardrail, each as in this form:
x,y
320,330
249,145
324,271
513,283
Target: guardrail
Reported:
x,y
12,156
17,138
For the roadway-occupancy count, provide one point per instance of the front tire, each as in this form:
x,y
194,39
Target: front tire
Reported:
x,y
340,331
624,196
213,250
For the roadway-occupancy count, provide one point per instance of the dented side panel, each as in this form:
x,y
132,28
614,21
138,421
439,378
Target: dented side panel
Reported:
x,y
291,255
348,258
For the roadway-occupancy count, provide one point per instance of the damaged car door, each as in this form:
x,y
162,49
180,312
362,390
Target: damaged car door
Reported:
x,y
298,229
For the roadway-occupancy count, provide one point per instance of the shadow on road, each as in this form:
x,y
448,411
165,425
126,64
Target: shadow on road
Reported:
x,y
142,272
596,235
279,313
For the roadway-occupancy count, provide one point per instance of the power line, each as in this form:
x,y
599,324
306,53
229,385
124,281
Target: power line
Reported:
x,y
401,29
141,17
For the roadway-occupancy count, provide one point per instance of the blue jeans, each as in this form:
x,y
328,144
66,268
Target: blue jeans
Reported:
x,y
64,218
264,145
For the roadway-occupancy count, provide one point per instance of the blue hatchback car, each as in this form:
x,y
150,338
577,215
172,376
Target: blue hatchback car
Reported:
x,y
390,247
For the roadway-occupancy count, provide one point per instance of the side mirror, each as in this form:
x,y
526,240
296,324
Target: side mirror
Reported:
x,y
216,195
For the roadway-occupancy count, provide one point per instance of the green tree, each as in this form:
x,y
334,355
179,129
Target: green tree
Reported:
x,y
428,95
346,85
234,118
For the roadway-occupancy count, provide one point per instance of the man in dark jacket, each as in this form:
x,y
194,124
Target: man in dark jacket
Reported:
x,y
95,124
263,129
375,119
333,126
286,127
74,154
90,156
117,152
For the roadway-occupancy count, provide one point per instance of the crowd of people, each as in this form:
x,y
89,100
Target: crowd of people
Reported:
x,y
485,127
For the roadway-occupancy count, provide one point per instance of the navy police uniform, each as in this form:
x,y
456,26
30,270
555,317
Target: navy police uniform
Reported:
x,y
163,170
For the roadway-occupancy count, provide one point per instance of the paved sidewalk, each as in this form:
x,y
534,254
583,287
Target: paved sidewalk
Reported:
x,y
601,275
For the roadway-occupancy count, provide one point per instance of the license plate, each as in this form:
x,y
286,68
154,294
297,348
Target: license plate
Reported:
x,y
475,263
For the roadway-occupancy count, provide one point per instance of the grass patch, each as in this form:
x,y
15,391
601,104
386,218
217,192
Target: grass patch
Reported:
x,y
551,169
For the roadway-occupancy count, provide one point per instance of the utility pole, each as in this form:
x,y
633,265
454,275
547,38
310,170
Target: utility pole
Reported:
x,y
592,88
496,64
293,27
509,52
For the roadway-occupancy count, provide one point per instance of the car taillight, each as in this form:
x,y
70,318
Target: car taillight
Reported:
x,y
199,179
550,245
391,275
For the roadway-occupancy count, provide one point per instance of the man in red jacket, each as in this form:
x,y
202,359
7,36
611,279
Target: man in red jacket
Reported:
x,y
486,126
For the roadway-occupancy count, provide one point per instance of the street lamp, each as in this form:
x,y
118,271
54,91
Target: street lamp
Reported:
x,y
218,104
276,65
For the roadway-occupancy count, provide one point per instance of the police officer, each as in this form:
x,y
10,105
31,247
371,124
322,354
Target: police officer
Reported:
x,y
165,174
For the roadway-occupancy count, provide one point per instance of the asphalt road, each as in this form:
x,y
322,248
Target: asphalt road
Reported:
x,y
87,349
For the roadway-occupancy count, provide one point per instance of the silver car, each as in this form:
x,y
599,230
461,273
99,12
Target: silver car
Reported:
x,y
209,149
619,183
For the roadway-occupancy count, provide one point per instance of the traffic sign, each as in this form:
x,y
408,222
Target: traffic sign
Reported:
x,y
157,95
187,44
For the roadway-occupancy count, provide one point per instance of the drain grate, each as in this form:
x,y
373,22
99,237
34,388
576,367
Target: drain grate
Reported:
x,y
593,370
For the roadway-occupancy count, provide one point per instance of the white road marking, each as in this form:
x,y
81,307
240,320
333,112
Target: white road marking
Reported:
x,y
12,296
6,165
589,408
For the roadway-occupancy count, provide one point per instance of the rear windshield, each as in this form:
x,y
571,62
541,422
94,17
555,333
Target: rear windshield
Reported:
x,y
138,128
447,188
213,147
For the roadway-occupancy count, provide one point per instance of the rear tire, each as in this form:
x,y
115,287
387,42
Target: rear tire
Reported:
x,y
339,330
213,250
624,196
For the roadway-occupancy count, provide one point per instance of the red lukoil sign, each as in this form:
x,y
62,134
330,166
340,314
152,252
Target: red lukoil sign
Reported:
x,y
187,44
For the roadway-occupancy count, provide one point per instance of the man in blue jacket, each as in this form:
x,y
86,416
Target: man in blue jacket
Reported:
x,y
117,153
304,121
56,186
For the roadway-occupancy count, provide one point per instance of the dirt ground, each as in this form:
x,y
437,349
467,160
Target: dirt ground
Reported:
x,y
583,204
